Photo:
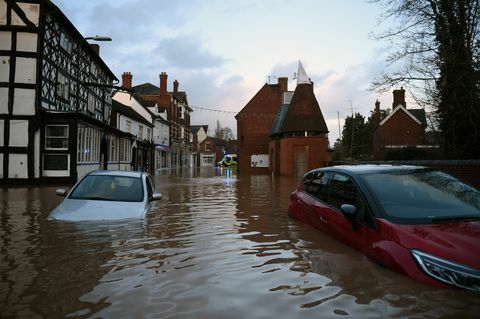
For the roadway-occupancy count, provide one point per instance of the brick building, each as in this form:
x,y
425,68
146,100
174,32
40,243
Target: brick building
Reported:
x,y
254,123
401,128
178,112
299,136
281,131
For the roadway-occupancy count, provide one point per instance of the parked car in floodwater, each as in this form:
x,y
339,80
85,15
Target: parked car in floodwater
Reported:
x,y
107,195
420,222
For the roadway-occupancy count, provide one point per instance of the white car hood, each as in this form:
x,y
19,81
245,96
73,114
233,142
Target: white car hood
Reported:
x,y
79,209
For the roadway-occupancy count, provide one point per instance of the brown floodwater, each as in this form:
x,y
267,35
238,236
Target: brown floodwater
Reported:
x,y
217,245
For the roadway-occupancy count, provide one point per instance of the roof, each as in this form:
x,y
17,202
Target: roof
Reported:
x,y
146,89
216,140
196,128
303,113
150,89
418,115
278,122
79,37
129,112
260,104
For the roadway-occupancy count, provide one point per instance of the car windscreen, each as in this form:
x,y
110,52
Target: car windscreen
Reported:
x,y
424,196
108,187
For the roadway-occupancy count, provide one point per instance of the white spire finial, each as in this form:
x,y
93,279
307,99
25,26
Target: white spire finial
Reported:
x,y
302,77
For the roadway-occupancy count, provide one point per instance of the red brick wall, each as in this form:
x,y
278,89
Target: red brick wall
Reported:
x,y
254,123
401,129
317,152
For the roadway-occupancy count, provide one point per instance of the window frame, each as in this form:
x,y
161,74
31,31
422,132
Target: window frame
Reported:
x,y
65,137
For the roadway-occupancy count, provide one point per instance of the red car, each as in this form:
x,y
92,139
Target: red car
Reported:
x,y
417,221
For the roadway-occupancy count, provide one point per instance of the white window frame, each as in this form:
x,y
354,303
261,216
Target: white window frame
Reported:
x,y
65,137
56,173
128,126
140,132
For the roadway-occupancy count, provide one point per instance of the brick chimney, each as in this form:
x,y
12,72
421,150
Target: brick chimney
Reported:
x,y
175,86
283,82
127,80
163,83
376,113
95,47
399,98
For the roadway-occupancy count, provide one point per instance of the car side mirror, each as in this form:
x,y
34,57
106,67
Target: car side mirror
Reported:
x,y
155,196
350,213
61,192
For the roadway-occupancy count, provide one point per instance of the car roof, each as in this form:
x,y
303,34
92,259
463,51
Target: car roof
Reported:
x,y
118,173
370,168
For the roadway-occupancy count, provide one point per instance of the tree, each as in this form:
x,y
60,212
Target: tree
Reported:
x,y
438,42
224,133
356,138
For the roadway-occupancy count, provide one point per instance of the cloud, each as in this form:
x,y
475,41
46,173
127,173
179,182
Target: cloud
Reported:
x,y
187,51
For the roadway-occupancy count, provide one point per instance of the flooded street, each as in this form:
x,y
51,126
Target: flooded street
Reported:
x,y
216,246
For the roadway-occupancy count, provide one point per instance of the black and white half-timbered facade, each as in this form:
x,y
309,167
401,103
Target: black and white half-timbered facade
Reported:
x,y
55,98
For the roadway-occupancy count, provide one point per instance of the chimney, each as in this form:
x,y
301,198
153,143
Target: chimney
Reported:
x,y
399,98
376,113
163,83
127,80
175,86
95,47
283,82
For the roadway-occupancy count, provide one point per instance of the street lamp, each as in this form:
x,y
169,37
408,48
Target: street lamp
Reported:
x,y
98,38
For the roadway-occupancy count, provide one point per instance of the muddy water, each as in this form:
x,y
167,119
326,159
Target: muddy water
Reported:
x,y
215,246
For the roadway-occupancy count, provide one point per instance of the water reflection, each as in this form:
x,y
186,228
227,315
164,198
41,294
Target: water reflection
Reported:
x,y
217,245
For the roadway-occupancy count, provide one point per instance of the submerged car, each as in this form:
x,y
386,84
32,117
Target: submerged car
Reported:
x,y
419,222
107,195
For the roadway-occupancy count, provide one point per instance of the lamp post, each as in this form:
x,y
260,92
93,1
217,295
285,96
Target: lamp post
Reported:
x,y
98,38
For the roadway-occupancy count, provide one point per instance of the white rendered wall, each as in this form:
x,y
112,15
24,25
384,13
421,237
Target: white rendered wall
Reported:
x,y
24,102
18,133
17,166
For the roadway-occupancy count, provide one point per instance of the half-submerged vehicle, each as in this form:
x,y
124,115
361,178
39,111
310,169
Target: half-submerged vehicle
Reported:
x,y
419,222
107,195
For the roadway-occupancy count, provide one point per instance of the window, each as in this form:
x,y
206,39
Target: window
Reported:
x,y
128,126
140,131
56,165
317,185
66,42
63,86
56,137
55,162
124,150
180,112
88,144
148,134
113,149
91,103
208,146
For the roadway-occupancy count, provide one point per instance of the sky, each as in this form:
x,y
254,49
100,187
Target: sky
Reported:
x,y
223,51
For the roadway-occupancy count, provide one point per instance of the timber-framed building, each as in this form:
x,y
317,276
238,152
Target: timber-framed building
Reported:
x,y
55,99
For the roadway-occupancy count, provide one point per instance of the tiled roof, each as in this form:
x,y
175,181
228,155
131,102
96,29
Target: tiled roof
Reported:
x,y
303,113
146,89
420,115
277,124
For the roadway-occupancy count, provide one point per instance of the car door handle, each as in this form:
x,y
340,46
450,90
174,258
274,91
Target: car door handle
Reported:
x,y
323,219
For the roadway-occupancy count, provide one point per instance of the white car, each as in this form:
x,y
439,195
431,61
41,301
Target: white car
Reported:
x,y
107,195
